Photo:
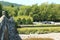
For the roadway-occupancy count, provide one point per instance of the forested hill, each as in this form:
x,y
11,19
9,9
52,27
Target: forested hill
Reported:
x,y
8,3
35,13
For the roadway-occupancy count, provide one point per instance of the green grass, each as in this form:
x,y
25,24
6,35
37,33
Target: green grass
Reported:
x,y
42,25
38,30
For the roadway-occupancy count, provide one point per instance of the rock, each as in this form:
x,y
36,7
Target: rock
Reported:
x,y
7,29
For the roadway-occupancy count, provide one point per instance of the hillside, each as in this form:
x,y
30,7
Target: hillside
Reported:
x,y
8,3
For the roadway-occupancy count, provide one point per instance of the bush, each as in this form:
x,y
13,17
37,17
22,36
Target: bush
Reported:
x,y
29,21
19,21
23,21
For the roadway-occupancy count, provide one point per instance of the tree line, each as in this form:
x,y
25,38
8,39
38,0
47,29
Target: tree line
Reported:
x,y
43,12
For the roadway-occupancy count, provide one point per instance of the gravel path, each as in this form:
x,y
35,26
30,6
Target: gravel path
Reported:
x,y
55,36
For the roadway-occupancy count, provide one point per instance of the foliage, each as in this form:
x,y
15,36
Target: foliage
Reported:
x,y
29,21
23,20
38,30
19,21
30,14
1,10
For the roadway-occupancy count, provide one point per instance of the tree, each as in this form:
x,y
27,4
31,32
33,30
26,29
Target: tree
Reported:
x,y
43,12
16,11
35,18
10,10
1,10
7,15
28,10
12,5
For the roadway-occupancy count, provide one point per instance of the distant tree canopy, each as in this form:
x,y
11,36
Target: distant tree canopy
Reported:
x,y
43,12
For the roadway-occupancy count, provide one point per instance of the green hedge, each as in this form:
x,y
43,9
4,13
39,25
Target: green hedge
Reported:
x,y
23,20
38,30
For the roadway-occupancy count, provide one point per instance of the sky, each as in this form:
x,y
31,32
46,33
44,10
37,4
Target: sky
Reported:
x,y
31,2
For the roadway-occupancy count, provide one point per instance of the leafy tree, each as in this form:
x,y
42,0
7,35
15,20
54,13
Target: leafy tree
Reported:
x,y
16,11
43,12
36,17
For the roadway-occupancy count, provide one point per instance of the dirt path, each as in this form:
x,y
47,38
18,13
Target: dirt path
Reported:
x,y
55,36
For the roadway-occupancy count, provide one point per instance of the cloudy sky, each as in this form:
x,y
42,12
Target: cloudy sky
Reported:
x,y
31,2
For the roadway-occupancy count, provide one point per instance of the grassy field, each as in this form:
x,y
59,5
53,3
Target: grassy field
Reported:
x,y
38,30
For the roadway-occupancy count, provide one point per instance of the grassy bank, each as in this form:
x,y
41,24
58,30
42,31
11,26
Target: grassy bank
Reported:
x,y
42,25
38,30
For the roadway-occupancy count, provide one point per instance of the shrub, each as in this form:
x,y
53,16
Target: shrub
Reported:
x,y
29,21
38,30
19,21
23,21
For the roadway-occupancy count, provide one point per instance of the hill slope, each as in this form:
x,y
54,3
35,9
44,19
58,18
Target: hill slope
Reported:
x,y
8,3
